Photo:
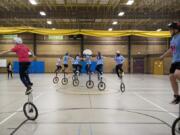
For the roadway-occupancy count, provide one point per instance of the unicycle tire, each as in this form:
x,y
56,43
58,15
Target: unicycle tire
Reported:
x,y
55,80
101,86
75,82
73,77
30,111
122,87
176,127
89,84
64,81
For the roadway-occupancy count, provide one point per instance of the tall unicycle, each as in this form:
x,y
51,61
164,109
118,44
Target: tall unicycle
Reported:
x,y
122,85
89,83
101,84
75,79
176,125
29,109
55,79
64,80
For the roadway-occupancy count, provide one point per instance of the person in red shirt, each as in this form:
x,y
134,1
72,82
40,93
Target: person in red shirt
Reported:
x,y
23,53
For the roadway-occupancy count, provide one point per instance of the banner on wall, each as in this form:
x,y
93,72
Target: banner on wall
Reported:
x,y
52,37
3,63
9,36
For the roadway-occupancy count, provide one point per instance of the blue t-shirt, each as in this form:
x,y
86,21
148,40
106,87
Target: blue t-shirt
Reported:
x,y
88,59
65,59
76,60
175,47
119,59
99,60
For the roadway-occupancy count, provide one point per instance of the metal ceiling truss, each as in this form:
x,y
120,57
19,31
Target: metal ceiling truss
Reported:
x,y
90,14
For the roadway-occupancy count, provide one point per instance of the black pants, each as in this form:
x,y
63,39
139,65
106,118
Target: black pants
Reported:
x,y
88,68
23,72
10,73
77,68
99,68
119,68
58,69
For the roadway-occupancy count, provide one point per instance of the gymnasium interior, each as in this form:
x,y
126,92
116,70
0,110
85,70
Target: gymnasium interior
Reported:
x,y
50,28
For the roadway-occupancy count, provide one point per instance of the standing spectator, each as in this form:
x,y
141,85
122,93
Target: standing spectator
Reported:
x,y
9,70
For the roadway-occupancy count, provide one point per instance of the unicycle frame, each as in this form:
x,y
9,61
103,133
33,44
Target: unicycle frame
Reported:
x,y
101,82
75,79
122,85
89,83
30,97
56,78
176,121
31,108
64,80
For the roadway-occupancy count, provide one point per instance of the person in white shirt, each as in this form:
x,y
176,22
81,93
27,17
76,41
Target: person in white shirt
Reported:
x,y
58,65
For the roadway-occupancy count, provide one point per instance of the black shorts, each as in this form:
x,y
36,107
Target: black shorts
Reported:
x,y
174,66
58,66
66,65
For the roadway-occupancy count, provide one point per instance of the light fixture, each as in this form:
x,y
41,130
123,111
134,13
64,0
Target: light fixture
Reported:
x,y
49,22
121,13
42,13
33,2
159,30
110,29
115,22
53,28
130,2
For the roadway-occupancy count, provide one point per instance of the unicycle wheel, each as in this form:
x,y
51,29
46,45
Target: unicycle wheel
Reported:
x,y
75,82
64,81
176,127
122,87
55,79
101,86
90,84
30,111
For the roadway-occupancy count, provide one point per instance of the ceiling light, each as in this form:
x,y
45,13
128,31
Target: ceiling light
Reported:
x,y
42,13
33,2
115,22
121,14
130,2
159,30
49,22
110,29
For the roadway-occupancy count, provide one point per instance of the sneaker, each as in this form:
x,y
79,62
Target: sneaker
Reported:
x,y
28,90
176,100
122,73
31,84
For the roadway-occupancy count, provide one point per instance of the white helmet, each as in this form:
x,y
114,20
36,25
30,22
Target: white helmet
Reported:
x,y
18,40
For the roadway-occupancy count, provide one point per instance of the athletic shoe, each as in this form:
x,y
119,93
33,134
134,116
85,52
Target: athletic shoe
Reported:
x,y
122,73
28,90
31,84
176,100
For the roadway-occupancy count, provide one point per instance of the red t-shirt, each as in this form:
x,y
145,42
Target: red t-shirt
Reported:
x,y
22,52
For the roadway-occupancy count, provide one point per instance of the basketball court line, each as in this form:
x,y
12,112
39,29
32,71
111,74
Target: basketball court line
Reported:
x,y
19,109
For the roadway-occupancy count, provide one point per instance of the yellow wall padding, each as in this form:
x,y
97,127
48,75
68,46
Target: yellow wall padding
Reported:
x,y
97,33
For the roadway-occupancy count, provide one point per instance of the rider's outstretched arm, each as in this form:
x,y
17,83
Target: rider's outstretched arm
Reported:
x,y
167,53
5,52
